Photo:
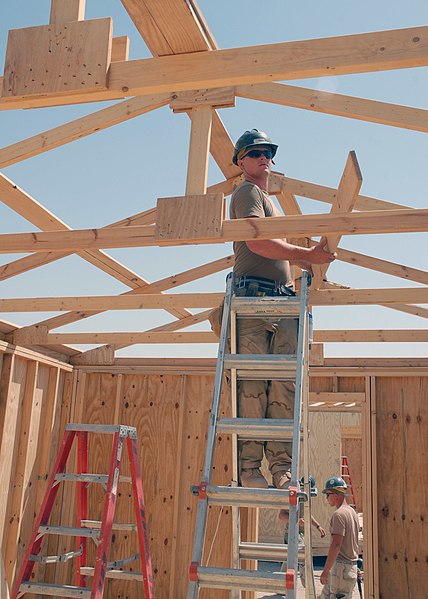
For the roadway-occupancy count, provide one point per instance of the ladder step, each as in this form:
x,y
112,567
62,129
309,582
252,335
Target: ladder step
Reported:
x,y
68,531
247,497
266,306
120,574
251,580
262,366
265,429
116,525
267,551
55,590
88,478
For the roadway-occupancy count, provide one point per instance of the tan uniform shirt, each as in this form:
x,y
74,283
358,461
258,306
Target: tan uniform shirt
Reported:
x,y
344,522
248,200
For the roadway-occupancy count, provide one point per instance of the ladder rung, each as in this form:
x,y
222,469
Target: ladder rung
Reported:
x,y
246,497
257,428
262,366
55,590
89,478
266,551
266,306
68,531
251,580
116,525
121,574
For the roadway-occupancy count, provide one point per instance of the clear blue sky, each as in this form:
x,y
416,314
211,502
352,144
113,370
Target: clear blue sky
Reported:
x,y
123,170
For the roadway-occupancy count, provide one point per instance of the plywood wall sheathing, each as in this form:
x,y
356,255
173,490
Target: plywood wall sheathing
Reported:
x,y
402,483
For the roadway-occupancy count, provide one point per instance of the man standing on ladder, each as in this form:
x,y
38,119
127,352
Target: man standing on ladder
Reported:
x,y
262,268
339,576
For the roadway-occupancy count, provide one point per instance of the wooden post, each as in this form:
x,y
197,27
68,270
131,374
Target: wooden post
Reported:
x,y
199,150
65,11
4,589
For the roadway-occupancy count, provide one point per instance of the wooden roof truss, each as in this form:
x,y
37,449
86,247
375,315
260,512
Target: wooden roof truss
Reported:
x,y
197,78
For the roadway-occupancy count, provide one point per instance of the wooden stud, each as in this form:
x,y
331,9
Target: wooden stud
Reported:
x,y
178,487
120,48
64,11
20,490
200,138
4,587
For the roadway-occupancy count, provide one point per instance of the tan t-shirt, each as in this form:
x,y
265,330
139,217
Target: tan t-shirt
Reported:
x,y
248,200
344,522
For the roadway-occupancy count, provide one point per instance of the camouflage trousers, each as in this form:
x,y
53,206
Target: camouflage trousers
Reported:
x,y
266,399
343,578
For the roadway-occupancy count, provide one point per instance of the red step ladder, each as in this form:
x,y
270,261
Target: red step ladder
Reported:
x,y
99,531
346,475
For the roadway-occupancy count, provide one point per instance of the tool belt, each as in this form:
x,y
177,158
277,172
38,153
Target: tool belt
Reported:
x,y
259,286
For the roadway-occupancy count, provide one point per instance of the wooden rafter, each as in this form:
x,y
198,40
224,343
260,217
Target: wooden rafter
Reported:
x,y
68,132
383,266
372,111
156,287
173,27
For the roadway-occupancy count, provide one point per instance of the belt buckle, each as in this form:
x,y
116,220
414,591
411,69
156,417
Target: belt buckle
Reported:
x,y
241,282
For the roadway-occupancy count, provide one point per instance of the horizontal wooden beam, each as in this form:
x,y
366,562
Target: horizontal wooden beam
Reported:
x,y
361,53
43,338
374,222
372,336
40,336
361,297
362,109
112,302
170,282
334,398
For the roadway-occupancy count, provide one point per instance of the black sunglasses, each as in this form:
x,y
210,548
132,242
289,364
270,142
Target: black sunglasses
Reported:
x,y
257,153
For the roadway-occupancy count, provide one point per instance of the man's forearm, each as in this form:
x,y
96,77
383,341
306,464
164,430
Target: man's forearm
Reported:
x,y
278,249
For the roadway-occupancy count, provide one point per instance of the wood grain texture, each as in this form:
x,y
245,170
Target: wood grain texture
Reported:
x,y
402,480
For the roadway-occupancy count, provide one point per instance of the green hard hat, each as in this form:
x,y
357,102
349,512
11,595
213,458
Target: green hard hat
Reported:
x,y
336,484
252,139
